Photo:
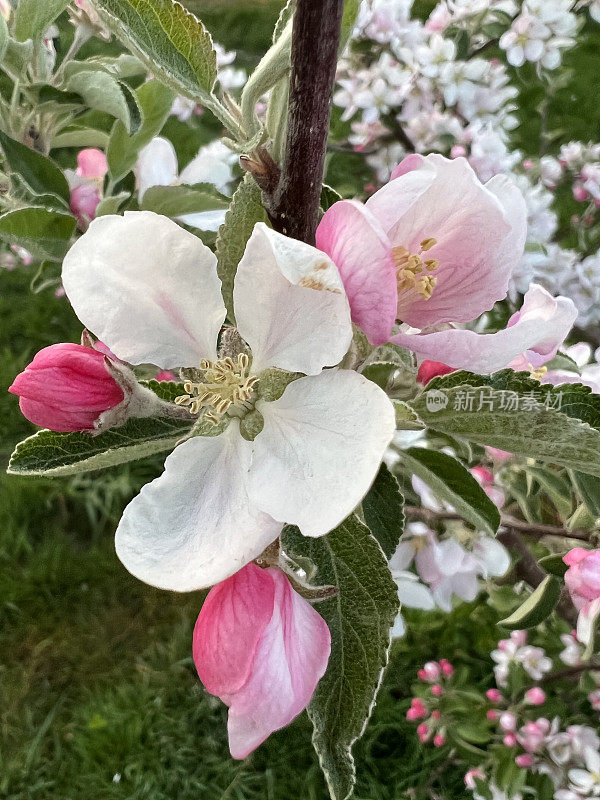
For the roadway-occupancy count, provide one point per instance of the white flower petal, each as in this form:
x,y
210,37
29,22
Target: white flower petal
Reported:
x,y
156,165
147,288
413,594
195,525
320,449
205,220
213,164
290,304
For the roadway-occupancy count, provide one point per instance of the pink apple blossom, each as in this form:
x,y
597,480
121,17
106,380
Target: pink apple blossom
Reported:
x,y
262,649
494,695
66,388
583,575
524,760
431,247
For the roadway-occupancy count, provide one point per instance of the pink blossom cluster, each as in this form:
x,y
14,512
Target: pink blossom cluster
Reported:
x,y
436,675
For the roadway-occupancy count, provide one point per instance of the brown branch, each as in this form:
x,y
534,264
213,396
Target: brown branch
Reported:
x,y
294,204
571,672
527,569
506,521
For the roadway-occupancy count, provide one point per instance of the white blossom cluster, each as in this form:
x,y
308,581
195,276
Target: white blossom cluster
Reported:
x,y
430,86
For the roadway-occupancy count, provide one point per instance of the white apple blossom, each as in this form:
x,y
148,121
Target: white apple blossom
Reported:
x,y
149,290
157,166
587,781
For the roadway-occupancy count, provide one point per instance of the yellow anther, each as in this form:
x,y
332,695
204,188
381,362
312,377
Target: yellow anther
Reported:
x,y
426,285
537,374
411,266
224,385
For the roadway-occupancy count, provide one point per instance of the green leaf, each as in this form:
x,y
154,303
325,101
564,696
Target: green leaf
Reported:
x,y
40,174
45,233
351,8
487,415
383,508
4,37
173,201
33,17
329,196
174,45
245,211
287,12
17,57
554,564
588,487
359,618
80,136
111,204
539,605
49,453
452,483
155,101
103,92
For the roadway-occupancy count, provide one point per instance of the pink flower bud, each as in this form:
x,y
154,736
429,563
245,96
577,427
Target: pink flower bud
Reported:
x,y
535,696
430,370
494,695
412,714
524,760
492,714
508,721
580,194
436,714
527,164
423,732
165,375
92,164
66,388
437,690
431,671
457,151
594,698
510,740
531,736
417,709
261,648
84,202
439,740
447,668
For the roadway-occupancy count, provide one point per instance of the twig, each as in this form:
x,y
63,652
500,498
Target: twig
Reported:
x,y
528,570
506,521
294,204
570,672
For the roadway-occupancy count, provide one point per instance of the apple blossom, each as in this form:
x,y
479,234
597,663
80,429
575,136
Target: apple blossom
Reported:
x,y
225,495
433,246
157,166
262,649
535,696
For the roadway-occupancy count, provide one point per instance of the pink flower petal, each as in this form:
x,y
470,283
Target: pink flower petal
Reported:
x,y
262,649
478,232
291,659
357,244
230,627
533,338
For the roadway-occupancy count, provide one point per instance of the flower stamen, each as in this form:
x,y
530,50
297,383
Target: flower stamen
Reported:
x,y
412,268
225,386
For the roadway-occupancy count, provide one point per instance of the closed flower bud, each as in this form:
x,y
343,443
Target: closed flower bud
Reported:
x,y
66,388
535,696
